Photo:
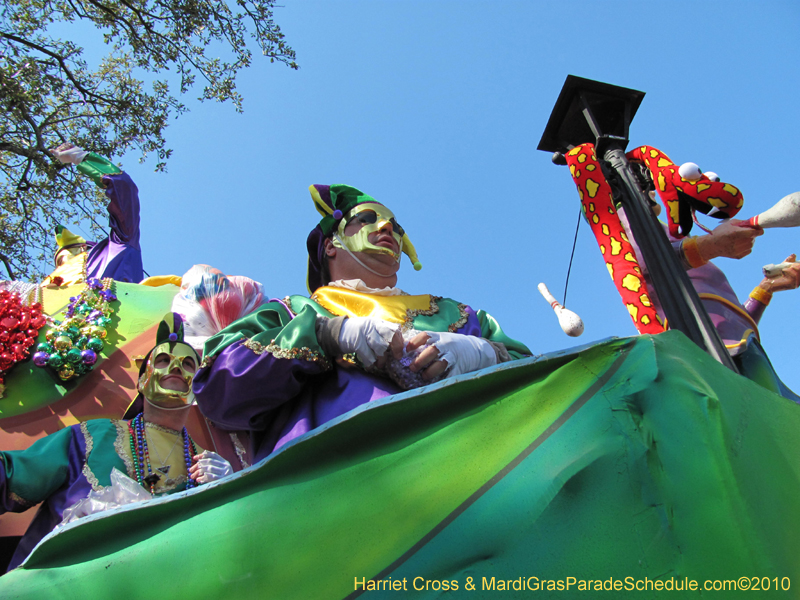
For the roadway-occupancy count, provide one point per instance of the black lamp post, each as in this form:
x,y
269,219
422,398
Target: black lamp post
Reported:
x,y
600,113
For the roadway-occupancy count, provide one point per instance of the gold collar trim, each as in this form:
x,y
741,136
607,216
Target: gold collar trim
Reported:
x,y
158,427
395,309
17,499
462,320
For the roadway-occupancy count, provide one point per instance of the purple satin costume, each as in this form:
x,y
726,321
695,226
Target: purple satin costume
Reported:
x,y
279,399
119,256
731,325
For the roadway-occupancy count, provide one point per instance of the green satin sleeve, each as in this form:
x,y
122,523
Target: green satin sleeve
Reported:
x,y
490,329
103,439
270,323
34,474
95,166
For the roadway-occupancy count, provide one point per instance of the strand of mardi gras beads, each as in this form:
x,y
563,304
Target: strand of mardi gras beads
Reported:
x,y
73,344
135,450
141,454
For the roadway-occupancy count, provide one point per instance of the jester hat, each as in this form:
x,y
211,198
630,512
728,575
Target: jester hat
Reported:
x,y
169,330
333,202
65,239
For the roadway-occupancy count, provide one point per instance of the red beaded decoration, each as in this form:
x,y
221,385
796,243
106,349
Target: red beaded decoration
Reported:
x,y
19,328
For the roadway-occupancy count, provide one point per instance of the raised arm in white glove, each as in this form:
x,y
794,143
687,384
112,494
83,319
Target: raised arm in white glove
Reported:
x,y
209,466
370,338
455,352
69,153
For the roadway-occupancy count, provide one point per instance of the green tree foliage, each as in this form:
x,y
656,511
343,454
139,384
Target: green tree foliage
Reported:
x,y
50,95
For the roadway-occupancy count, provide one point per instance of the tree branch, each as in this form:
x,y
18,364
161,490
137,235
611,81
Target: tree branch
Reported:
x,y
61,62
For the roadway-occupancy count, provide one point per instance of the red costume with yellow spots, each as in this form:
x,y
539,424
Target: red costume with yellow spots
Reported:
x,y
680,197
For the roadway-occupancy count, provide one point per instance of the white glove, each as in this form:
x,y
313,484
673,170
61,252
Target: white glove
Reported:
x,y
211,467
69,153
463,353
368,337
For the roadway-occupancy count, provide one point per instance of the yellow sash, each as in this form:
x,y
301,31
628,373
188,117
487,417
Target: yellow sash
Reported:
x,y
396,309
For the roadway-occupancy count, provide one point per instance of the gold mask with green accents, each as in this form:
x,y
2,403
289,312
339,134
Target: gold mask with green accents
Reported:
x,y
374,218
174,367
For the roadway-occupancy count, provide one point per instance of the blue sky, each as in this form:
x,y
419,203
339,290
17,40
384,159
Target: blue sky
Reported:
x,y
436,109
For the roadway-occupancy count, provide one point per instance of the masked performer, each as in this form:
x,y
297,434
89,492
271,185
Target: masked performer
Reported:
x,y
118,256
291,366
153,447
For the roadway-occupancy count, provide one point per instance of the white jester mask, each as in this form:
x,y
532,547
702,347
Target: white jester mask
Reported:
x,y
167,379
374,217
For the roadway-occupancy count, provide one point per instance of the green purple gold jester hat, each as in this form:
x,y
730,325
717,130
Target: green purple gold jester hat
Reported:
x,y
334,202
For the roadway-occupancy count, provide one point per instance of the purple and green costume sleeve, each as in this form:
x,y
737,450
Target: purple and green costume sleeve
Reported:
x,y
58,471
267,372
118,256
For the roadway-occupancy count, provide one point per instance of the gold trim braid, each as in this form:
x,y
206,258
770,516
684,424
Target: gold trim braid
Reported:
x,y
278,352
122,447
208,361
288,302
87,472
462,309
240,451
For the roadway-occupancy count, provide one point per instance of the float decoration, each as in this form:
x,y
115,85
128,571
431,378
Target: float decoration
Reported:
x,y
19,328
72,345
618,253
685,189
785,213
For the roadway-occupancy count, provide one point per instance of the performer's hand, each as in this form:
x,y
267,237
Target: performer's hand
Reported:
x,y
789,279
69,153
454,351
209,466
731,239
371,339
